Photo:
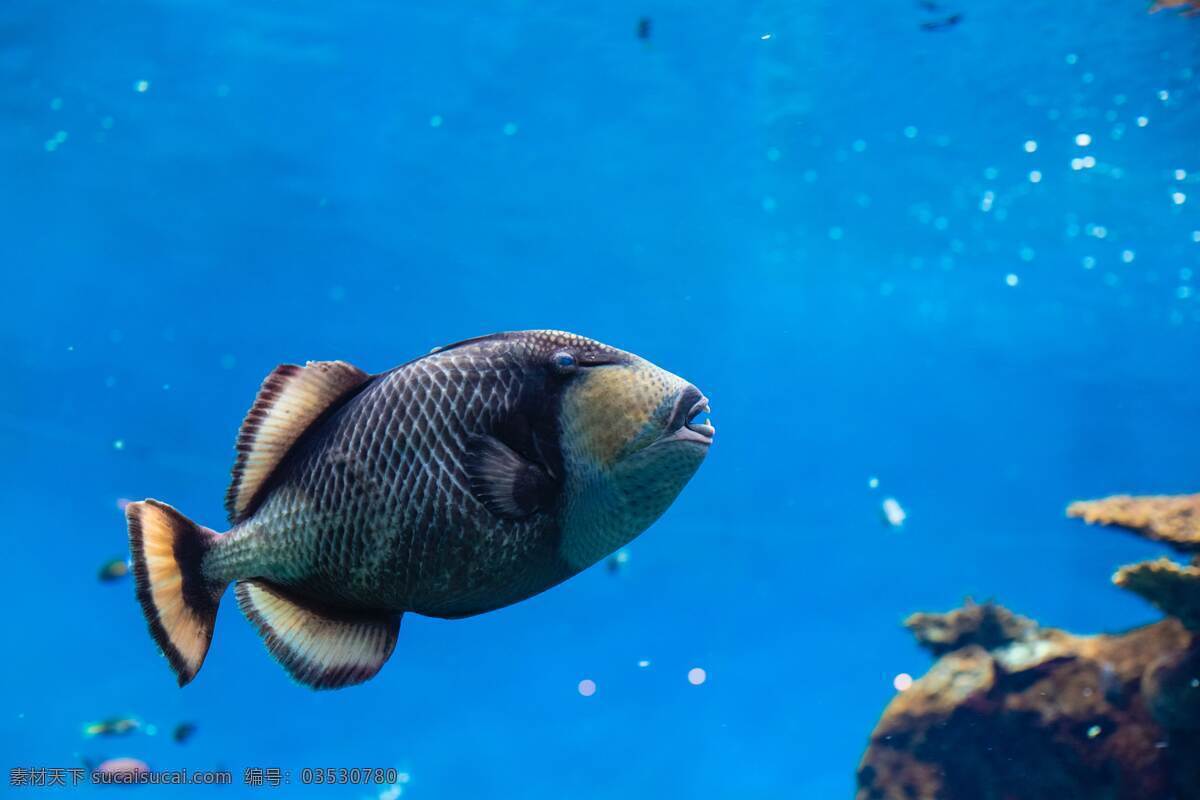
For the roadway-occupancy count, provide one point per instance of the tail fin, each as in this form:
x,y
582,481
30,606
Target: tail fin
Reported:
x,y
179,604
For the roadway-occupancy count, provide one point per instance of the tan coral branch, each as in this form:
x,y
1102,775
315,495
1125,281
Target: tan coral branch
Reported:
x,y
1172,587
1173,519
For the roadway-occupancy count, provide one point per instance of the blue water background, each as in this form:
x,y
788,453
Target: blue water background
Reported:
x,y
786,203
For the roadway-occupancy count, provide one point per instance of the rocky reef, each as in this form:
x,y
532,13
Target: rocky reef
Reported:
x,y
1012,710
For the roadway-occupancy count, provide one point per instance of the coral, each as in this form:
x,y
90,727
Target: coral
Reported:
x,y
1172,519
1046,717
1015,711
1174,588
989,625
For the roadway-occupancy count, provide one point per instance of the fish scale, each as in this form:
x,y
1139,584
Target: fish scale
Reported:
x,y
424,485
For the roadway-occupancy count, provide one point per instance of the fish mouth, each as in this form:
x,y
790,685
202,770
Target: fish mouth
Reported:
x,y
688,427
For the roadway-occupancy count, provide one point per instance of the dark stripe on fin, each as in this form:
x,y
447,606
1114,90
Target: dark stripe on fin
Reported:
x,y
179,604
319,647
289,401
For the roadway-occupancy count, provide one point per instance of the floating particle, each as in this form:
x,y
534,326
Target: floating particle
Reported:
x,y
986,202
183,731
223,90
392,792
836,233
1196,236
910,132
990,173
1143,122
1178,198
873,483
1089,162
1027,254
773,154
1083,139
1099,231
435,121
1183,292
1127,256
697,676
587,687
1093,731
1164,95
113,570
1181,174
902,682
617,561
228,361
858,146
893,514
645,662
107,123
1088,77
1035,176
510,129
56,104
119,444
1072,59
1011,279
1089,262
768,204
644,28
1030,146
1185,274
142,86
114,726
1076,164
765,36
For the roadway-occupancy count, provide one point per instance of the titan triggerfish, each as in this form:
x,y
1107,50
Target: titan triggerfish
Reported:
x,y
461,482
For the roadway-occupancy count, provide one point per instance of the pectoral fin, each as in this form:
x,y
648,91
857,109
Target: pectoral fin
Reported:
x,y
509,485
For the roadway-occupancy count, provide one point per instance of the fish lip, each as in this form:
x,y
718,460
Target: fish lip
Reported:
x,y
692,431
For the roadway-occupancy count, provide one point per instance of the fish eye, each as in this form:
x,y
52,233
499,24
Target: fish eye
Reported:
x,y
563,361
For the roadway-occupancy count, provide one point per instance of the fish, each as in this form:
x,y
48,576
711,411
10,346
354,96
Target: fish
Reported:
x,y
943,24
114,726
113,570
644,26
1190,8
460,482
183,731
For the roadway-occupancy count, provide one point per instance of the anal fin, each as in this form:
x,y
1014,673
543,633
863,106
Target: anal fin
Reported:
x,y
320,648
289,401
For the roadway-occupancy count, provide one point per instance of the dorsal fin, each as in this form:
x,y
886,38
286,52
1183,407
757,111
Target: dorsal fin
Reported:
x,y
289,401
